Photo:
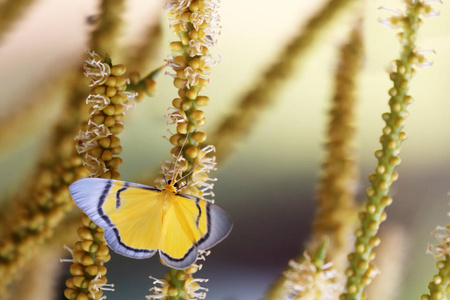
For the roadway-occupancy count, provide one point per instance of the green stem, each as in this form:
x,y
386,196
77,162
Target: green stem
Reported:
x,y
141,84
441,282
361,270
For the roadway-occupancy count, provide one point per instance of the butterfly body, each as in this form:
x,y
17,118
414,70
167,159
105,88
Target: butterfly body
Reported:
x,y
140,220
167,198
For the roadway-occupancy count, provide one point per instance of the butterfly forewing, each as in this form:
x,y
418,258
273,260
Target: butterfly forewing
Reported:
x,y
129,212
138,218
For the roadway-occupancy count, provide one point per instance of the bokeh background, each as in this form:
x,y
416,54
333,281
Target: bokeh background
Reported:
x,y
268,183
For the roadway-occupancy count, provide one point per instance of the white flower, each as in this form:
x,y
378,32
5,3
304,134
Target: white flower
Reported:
x,y
307,282
98,284
158,292
96,69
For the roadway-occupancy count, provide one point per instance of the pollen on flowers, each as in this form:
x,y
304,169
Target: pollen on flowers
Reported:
x,y
309,281
178,283
442,234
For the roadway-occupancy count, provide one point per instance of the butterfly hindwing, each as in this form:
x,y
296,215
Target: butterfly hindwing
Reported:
x,y
112,237
180,232
193,224
219,225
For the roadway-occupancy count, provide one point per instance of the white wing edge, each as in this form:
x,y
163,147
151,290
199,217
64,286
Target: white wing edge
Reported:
x,y
219,227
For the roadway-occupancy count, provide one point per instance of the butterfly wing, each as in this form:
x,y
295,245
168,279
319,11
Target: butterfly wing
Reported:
x,y
189,225
218,225
178,247
131,213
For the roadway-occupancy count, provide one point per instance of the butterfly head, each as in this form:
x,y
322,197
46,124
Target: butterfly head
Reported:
x,y
172,186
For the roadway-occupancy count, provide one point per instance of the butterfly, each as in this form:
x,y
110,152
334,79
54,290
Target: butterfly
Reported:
x,y
140,220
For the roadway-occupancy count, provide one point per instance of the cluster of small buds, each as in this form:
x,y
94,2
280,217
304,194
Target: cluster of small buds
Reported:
x,y
361,270
178,284
98,139
190,73
309,281
146,86
196,23
188,117
88,256
399,18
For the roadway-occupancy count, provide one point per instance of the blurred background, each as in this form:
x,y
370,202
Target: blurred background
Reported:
x,y
268,183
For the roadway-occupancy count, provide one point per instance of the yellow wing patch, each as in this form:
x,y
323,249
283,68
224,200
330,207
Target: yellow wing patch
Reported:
x,y
137,214
180,231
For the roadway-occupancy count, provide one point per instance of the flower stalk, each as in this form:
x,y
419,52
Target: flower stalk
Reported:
x,y
336,215
362,270
41,213
144,86
98,141
99,145
196,24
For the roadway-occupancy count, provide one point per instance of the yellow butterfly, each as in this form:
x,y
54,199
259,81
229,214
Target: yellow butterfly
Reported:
x,y
140,220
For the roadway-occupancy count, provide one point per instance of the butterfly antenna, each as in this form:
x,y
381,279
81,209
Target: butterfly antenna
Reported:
x,y
168,169
178,157
193,169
